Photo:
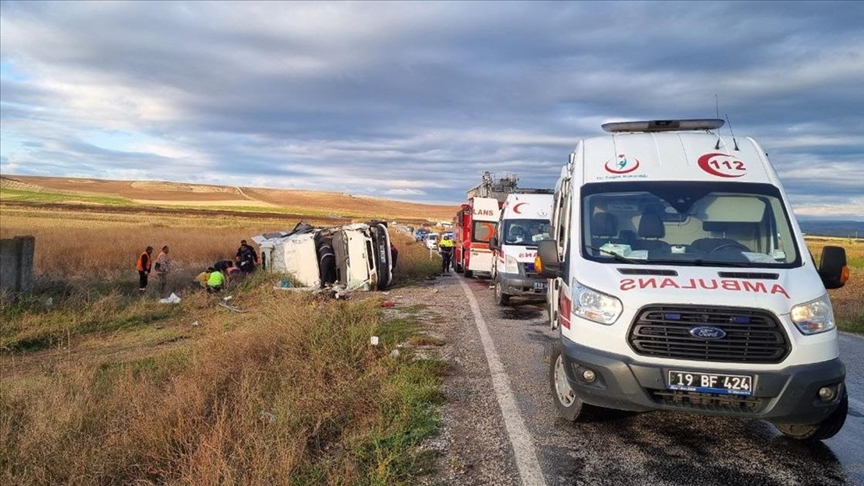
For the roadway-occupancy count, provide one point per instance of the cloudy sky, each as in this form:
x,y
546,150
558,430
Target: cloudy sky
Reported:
x,y
415,100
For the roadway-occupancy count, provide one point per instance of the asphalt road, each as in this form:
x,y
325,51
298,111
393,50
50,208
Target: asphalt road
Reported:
x,y
659,448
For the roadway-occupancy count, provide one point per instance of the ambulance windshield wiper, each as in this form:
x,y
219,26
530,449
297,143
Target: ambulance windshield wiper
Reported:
x,y
615,255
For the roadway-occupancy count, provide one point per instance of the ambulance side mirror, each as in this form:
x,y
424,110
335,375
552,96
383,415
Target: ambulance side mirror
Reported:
x,y
493,243
832,267
547,263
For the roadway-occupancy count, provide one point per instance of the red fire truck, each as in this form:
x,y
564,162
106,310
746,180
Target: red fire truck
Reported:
x,y
477,221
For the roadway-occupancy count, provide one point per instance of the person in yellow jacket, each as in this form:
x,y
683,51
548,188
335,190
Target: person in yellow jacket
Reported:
x,y
445,247
217,281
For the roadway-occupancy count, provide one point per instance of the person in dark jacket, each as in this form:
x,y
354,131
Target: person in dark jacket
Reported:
x,y
327,263
394,255
144,265
247,257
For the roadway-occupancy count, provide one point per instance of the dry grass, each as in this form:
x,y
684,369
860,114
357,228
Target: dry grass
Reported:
x,y
104,246
292,393
108,387
848,301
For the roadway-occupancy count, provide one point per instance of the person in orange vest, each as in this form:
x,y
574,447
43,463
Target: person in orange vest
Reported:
x,y
143,265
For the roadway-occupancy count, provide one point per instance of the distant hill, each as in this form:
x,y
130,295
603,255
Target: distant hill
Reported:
x,y
844,229
158,194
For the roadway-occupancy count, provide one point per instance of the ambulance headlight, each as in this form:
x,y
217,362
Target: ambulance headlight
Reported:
x,y
596,306
814,317
510,265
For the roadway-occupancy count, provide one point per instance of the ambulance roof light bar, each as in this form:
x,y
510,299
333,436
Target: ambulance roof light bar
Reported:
x,y
664,125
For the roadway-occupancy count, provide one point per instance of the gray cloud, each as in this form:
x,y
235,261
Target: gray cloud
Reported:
x,y
416,100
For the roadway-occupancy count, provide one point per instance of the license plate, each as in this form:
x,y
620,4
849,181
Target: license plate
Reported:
x,y
710,383
540,286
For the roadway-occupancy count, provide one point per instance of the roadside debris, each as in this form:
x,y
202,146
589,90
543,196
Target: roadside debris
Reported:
x,y
224,303
171,299
373,340
388,303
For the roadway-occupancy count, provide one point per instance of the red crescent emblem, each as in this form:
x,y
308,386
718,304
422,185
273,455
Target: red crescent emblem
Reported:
x,y
722,165
516,208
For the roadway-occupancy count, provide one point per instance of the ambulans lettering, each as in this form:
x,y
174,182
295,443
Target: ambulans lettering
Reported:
x,y
702,284
484,212
528,254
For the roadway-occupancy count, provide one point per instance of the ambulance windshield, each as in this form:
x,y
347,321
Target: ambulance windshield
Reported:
x,y
525,231
690,223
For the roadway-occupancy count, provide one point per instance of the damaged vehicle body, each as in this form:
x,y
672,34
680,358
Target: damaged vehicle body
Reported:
x,y
355,256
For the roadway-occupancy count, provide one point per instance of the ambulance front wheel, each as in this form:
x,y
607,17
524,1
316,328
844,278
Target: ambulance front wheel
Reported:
x,y
823,430
570,407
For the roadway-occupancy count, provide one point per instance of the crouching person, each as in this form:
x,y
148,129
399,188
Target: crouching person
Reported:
x,y
216,282
204,277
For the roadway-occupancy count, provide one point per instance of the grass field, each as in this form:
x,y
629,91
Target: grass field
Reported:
x,y
104,386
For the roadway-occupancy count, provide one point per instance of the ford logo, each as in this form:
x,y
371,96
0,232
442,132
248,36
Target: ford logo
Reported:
x,y
707,333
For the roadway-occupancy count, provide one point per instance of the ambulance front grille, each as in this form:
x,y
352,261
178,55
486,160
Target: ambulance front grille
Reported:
x,y
751,335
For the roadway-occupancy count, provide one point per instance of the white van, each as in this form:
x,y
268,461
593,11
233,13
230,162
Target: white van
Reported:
x,y
525,221
682,282
431,241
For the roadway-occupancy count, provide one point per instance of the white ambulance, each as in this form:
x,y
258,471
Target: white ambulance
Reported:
x,y
525,221
682,282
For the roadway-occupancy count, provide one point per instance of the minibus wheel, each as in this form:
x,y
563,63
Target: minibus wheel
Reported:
x,y
469,273
569,406
823,430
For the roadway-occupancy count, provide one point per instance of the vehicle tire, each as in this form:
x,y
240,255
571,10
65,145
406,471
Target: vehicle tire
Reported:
x,y
458,267
469,273
501,298
569,406
823,430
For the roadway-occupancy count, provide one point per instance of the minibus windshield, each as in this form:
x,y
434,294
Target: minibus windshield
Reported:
x,y
688,223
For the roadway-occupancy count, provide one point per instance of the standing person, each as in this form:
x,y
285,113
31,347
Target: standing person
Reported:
x,y
445,247
327,263
247,257
163,266
144,265
394,255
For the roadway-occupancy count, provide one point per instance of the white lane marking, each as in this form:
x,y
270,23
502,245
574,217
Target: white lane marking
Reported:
x,y
857,405
520,438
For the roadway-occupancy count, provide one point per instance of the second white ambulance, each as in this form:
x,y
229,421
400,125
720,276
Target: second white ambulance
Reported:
x,y
525,220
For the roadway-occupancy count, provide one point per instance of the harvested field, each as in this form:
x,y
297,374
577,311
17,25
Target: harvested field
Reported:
x,y
171,194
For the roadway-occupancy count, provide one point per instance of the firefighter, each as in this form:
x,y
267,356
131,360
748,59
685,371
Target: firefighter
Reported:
x,y
445,247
